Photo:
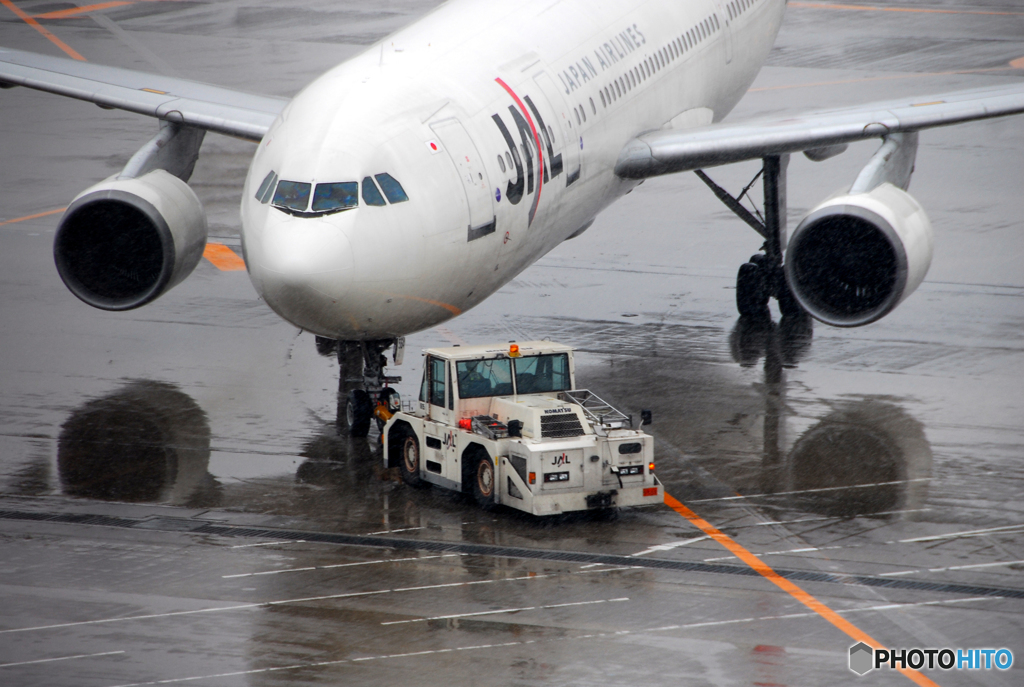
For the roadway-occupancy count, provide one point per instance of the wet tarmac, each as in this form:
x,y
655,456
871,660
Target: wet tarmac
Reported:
x,y
176,505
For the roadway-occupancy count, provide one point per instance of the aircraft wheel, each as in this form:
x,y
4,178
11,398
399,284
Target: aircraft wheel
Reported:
x,y
788,304
410,465
358,413
484,482
752,290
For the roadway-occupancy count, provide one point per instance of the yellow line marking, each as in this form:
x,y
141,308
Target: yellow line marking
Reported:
x,y
916,10
35,216
68,50
223,258
782,583
934,102
153,90
1017,63
75,11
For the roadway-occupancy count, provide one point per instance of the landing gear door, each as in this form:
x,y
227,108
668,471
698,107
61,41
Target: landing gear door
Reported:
x,y
470,167
565,134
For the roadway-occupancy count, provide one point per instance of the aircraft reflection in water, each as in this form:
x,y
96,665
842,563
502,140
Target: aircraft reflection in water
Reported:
x,y
146,442
150,442
870,441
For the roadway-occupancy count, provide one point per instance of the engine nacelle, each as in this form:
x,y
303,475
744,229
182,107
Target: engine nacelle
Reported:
x,y
856,257
124,242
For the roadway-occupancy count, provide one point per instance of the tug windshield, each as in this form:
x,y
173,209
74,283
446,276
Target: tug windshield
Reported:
x,y
479,378
493,377
542,373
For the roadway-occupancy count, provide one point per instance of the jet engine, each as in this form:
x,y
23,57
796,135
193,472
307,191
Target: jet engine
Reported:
x,y
125,241
856,256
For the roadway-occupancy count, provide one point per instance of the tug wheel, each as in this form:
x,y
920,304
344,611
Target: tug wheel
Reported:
x,y
410,465
484,484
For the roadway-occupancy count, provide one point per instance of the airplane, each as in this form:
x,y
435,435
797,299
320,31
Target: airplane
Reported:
x,y
409,183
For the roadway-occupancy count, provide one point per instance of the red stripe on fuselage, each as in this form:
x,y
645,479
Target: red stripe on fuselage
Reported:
x,y
536,138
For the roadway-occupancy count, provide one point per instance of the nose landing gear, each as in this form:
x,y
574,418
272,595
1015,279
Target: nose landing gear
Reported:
x,y
362,384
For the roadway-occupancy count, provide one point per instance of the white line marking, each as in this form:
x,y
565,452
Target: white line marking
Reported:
x,y
505,610
404,529
788,616
968,533
812,491
318,664
269,543
62,658
951,567
805,549
596,635
282,602
669,547
340,565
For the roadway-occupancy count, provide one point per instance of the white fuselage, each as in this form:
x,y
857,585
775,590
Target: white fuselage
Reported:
x,y
452,108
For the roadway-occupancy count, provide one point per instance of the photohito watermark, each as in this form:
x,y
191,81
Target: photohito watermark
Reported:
x,y
864,659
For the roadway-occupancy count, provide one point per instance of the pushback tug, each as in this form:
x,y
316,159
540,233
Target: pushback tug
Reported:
x,y
507,424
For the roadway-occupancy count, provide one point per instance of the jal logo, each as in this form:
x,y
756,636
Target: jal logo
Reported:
x,y
559,461
449,440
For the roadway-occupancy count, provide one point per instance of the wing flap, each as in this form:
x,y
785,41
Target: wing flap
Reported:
x,y
195,104
668,151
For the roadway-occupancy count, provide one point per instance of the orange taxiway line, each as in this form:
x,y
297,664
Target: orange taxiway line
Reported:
x,y
921,10
1017,63
35,216
223,258
785,585
68,50
75,11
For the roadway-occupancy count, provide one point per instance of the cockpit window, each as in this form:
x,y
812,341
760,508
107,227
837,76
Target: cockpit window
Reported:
x,y
265,189
334,197
293,195
371,196
392,189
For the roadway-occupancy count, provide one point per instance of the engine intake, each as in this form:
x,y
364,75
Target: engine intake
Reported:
x,y
124,242
854,258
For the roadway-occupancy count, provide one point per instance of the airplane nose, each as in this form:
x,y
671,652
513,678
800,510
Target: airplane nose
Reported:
x,y
304,266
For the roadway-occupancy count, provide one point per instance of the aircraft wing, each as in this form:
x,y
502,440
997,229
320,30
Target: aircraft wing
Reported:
x,y
667,151
191,103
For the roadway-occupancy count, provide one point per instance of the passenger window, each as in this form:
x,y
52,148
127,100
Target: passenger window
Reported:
x,y
508,158
593,107
339,196
542,373
479,378
392,189
501,163
263,193
371,196
293,195
437,387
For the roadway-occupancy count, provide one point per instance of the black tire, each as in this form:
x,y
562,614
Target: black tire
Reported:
x,y
485,482
358,413
752,291
789,306
409,463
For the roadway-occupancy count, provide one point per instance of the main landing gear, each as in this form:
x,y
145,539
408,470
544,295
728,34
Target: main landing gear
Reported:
x,y
762,277
364,391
